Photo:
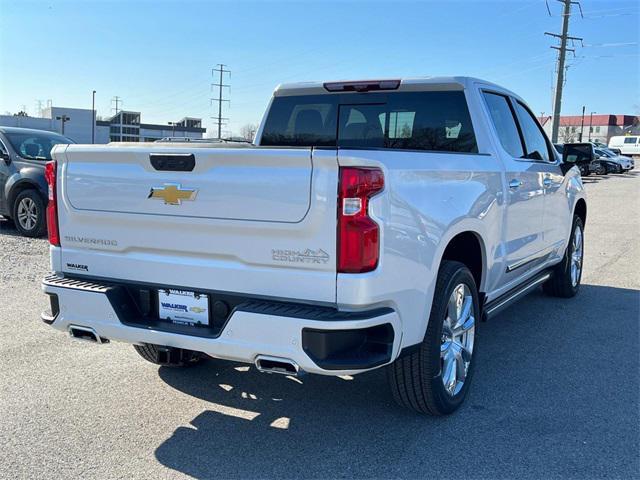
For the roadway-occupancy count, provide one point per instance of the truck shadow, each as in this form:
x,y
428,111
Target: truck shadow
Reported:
x,y
546,378
593,178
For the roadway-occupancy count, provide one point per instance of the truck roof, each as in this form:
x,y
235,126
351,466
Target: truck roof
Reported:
x,y
406,84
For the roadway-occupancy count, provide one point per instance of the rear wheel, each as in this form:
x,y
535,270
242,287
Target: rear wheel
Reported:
x,y
167,356
435,378
28,214
565,280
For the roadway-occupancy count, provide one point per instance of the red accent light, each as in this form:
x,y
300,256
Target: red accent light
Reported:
x,y
50,171
358,234
362,86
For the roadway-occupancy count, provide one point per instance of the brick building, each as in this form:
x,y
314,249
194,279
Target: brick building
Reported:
x,y
600,127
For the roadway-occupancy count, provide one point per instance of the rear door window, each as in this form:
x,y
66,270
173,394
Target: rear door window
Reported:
x,y
631,140
534,139
438,121
505,123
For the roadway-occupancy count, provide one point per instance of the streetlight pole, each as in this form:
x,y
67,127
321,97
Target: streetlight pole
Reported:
x,y
174,128
93,118
590,124
63,119
582,124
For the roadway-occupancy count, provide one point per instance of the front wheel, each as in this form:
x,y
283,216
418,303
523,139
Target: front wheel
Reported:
x,y
566,276
435,378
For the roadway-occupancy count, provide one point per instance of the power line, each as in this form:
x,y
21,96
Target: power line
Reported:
x,y
561,69
220,119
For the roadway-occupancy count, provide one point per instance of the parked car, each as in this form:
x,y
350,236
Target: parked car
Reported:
x,y
614,163
598,167
628,144
598,144
23,189
370,226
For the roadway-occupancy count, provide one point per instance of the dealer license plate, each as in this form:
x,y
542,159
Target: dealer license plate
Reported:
x,y
184,307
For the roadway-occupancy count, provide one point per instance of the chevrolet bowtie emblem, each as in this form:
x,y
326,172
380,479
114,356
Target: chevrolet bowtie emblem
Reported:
x,y
172,193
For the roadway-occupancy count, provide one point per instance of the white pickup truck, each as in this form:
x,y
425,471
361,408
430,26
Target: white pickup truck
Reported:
x,y
373,223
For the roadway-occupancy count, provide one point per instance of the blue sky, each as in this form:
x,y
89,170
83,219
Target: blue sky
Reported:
x,y
158,55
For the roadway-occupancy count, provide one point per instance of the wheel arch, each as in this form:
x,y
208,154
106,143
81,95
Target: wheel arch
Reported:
x,y
20,186
581,210
467,247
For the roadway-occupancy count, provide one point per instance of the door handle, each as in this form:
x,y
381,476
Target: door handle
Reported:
x,y
546,183
515,183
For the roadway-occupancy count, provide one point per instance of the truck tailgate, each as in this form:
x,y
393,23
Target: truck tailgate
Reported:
x,y
254,220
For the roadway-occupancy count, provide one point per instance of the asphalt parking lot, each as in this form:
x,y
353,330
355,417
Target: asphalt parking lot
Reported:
x,y
555,392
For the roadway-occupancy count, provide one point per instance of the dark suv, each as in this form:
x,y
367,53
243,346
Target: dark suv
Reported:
x,y
23,189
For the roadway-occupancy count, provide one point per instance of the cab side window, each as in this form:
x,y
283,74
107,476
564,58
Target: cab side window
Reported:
x,y
534,140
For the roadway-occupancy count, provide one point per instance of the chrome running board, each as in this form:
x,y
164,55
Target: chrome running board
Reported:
x,y
496,306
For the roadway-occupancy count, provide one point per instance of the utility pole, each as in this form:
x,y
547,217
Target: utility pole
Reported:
x,y
116,100
582,124
590,124
562,55
93,118
220,119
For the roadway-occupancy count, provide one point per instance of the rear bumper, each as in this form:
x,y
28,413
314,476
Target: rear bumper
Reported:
x,y
318,339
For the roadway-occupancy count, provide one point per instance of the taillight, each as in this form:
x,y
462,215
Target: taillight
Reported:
x,y
358,234
52,207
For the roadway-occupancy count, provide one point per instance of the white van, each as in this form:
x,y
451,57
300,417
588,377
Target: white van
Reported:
x,y
628,144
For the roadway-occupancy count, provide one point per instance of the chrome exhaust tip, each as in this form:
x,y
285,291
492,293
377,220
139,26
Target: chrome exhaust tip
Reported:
x,y
283,366
86,334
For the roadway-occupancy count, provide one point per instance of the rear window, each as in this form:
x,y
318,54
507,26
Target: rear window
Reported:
x,y
35,145
437,121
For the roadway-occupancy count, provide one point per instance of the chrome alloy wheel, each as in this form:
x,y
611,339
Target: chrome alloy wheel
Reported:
x,y
27,213
458,332
576,255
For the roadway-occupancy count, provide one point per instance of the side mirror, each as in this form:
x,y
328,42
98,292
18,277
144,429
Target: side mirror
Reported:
x,y
577,153
6,157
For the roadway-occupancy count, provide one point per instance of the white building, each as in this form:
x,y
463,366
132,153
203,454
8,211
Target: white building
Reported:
x,y
125,126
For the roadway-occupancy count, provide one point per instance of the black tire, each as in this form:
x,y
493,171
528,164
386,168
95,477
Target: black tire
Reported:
x,y
415,379
561,284
168,356
39,226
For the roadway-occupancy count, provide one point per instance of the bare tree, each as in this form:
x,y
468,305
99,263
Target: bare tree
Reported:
x,y
248,132
568,134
